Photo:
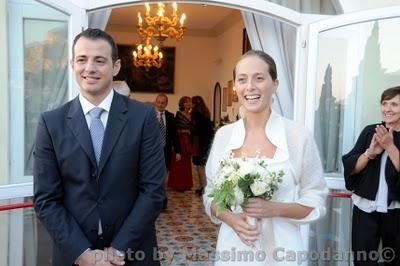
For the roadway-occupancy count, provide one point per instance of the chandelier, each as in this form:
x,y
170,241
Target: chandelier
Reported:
x,y
160,26
147,56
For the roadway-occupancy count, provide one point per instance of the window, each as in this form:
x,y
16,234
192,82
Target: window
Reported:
x,y
38,72
355,64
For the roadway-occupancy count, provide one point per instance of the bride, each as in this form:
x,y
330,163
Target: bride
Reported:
x,y
275,239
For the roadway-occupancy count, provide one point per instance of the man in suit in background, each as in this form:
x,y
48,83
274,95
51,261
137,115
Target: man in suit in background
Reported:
x,y
98,167
169,134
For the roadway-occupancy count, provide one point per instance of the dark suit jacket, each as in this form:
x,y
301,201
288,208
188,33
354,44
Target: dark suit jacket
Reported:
x,y
172,140
126,190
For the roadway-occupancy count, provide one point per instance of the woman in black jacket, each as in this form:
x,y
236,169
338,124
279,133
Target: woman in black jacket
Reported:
x,y
371,171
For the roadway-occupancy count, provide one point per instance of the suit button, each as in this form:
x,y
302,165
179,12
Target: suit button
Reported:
x,y
94,174
99,202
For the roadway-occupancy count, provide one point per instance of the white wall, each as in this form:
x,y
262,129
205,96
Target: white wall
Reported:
x,y
200,62
229,46
195,68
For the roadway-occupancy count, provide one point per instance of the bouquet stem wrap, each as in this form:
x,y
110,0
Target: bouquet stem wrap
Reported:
x,y
257,222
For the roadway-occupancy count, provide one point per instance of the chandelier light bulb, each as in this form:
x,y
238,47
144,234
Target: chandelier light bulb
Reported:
x,y
162,25
161,10
182,20
140,20
174,7
146,55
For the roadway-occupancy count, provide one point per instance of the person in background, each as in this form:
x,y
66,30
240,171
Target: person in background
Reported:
x,y
180,176
283,144
371,172
169,134
202,135
98,166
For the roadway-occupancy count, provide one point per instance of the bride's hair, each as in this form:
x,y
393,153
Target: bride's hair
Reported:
x,y
263,56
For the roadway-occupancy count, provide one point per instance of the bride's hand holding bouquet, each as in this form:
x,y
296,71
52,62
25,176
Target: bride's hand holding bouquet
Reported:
x,y
244,181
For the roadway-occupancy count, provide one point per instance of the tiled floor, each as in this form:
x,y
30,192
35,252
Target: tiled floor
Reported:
x,y
185,234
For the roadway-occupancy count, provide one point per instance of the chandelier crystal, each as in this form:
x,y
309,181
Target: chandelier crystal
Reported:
x,y
147,56
160,26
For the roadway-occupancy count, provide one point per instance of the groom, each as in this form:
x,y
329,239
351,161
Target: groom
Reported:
x,y
99,167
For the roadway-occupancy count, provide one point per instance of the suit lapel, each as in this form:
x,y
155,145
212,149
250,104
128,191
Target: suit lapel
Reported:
x,y
77,123
116,121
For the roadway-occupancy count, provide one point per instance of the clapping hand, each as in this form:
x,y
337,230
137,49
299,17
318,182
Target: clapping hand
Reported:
x,y
383,138
374,147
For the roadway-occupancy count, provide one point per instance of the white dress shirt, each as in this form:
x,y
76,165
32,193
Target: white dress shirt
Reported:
x,y
162,116
88,106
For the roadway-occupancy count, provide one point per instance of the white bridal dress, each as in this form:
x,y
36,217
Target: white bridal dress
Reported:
x,y
280,242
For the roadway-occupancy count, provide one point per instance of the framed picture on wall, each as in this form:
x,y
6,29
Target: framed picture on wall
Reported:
x,y
155,80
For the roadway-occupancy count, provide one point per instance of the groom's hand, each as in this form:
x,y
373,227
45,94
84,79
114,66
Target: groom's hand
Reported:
x,y
94,257
113,256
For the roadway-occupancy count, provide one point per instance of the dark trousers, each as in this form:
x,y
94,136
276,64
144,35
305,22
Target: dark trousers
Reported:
x,y
167,157
368,229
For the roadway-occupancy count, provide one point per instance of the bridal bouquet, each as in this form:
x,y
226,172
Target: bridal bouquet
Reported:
x,y
240,178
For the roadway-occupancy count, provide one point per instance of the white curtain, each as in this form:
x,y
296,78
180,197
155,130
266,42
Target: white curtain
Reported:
x,y
278,40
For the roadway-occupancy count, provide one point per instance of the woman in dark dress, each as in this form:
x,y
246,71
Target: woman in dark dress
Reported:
x,y
180,175
371,172
202,136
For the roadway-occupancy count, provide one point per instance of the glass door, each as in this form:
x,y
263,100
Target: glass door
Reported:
x,y
352,58
39,40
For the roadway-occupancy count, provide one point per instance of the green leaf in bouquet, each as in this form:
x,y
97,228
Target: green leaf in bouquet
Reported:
x,y
244,185
223,195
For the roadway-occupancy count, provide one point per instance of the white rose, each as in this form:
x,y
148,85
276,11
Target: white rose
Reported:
x,y
260,170
246,168
259,187
227,169
239,197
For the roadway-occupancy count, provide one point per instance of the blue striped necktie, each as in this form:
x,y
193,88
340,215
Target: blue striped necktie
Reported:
x,y
96,131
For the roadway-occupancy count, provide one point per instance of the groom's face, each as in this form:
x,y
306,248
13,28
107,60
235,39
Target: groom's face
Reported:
x,y
93,66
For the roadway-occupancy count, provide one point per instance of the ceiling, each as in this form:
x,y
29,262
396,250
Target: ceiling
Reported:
x,y
209,20
200,19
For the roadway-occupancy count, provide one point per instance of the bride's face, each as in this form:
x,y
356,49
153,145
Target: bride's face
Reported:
x,y
254,84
